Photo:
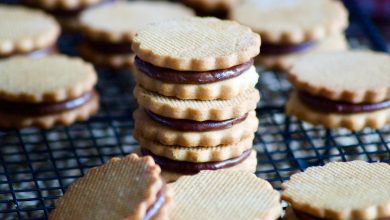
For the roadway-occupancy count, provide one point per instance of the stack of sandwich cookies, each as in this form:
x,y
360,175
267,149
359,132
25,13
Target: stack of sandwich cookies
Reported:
x,y
123,188
27,32
339,191
43,92
191,116
292,29
342,89
109,30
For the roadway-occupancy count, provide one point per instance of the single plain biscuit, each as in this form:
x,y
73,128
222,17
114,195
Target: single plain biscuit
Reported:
x,y
24,30
154,131
63,4
215,110
195,154
49,79
82,113
286,61
226,89
351,76
353,121
295,21
351,190
196,44
120,189
225,195
248,165
115,61
118,22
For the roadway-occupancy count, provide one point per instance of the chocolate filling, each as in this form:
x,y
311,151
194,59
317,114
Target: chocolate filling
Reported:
x,y
326,105
190,125
36,109
35,54
109,48
190,77
305,216
193,168
156,206
280,49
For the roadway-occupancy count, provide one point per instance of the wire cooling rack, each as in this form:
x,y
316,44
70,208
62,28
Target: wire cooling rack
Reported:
x,y
38,165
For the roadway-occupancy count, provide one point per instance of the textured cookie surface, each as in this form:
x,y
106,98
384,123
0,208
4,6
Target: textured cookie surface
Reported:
x,y
356,121
48,79
352,76
352,190
225,195
216,110
120,21
196,44
24,30
120,189
294,21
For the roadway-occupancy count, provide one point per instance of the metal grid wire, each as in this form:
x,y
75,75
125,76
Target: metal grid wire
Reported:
x,y
38,165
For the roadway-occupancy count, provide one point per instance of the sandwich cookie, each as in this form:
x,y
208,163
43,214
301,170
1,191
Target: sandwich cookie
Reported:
x,y
292,29
342,89
66,11
109,30
225,195
44,92
214,8
27,32
123,188
196,104
339,191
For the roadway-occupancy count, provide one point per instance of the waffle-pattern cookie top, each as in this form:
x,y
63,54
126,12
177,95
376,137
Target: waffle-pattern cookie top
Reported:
x,y
197,44
292,21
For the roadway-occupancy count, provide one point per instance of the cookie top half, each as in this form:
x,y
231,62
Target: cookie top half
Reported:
x,y
120,21
292,21
196,44
341,190
350,76
24,30
41,80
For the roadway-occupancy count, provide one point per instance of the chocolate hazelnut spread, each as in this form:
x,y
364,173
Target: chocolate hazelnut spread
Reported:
x,y
110,48
305,216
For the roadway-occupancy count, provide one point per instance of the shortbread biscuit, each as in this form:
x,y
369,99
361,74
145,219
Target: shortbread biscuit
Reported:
x,y
196,44
285,62
248,165
124,188
225,195
226,89
351,76
154,131
24,30
341,191
49,79
195,154
293,22
197,110
355,121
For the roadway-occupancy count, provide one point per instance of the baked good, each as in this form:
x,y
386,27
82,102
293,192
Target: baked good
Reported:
x,y
215,8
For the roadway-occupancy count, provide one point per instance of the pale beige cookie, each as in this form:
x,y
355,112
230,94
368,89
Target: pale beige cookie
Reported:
x,y
63,4
341,190
115,61
24,30
225,195
216,110
294,21
196,44
82,113
353,121
351,76
118,22
248,165
226,89
212,5
195,154
168,136
49,79
120,189
285,62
